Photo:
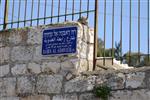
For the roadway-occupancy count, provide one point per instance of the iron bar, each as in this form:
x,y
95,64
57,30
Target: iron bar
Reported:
x,y
25,12
58,10
12,17
112,32
95,33
66,10
121,31
52,11
19,13
31,12
80,8
5,14
138,31
130,28
104,30
148,31
45,11
38,12
88,8
73,10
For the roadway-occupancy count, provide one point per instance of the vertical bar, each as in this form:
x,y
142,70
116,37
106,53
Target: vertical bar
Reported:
x,y
66,10
121,31
73,10
52,12
130,27
113,32
31,13
12,16
148,30
19,13
138,31
25,12
5,14
104,31
95,33
45,11
38,12
88,9
80,8
58,11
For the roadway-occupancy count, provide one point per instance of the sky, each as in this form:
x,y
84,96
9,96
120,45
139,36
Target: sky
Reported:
x,y
117,7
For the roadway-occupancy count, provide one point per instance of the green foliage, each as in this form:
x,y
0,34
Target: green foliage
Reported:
x,y
102,91
118,51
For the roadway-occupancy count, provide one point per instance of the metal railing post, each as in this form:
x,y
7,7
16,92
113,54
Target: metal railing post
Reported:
x,y
5,14
95,34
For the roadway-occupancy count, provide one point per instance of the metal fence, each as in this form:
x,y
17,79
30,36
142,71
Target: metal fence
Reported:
x,y
23,13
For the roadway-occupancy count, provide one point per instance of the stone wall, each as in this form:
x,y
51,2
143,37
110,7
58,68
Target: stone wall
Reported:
x,y
27,75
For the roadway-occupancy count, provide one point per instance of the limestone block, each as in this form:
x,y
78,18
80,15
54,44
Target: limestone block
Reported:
x,y
135,80
4,54
19,69
49,84
18,36
131,95
116,81
80,84
7,87
9,98
90,64
88,96
65,97
66,65
34,68
4,70
21,53
90,35
90,51
53,67
25,85
36,97
83,50
85,33
35,36
83,65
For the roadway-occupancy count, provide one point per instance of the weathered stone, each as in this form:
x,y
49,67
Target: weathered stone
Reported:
x,y
35,36
90,35
83,65
83,50
19,69
131,95
49,84
34,68
116,81
65,97
66,65
69,76
90,65
135,80
4,54
9,98
18,36
53,67
21,53
36,97
80,84
4,70
25,85
90,51
7,87
88,96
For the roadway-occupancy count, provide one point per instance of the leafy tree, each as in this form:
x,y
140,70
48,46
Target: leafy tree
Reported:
x,y
118,51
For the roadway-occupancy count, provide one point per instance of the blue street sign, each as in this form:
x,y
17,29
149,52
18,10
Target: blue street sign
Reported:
x,y
61,40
